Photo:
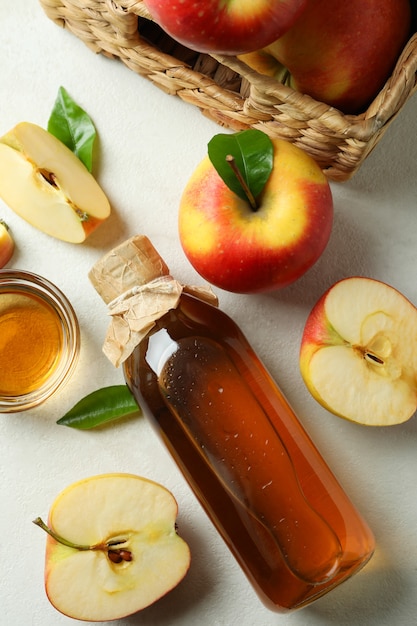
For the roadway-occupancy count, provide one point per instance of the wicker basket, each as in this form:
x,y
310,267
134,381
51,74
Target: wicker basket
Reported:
x,y
229,92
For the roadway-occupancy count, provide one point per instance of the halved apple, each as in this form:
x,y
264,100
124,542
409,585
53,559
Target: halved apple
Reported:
x,y
358,355
48,186
112,547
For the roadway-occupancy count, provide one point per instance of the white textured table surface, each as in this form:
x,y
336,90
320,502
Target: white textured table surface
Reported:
x,y
149,143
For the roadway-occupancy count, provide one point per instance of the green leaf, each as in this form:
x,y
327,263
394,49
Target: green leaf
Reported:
x,y
253,154
101,406
73,126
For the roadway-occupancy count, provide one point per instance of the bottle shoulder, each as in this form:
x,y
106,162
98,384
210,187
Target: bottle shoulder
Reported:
x,y
195,319
194,316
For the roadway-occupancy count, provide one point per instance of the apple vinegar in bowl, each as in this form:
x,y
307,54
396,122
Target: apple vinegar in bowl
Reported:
x,y
39,340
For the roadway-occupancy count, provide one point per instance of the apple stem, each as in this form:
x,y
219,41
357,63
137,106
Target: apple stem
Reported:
x,y
251,198
116,555
39,522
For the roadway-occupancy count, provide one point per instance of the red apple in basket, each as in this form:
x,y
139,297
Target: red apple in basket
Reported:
x,y
342,52
225,26
358,353
249,247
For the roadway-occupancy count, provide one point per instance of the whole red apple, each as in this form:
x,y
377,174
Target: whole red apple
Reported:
x,y
225,26
341,52
243,250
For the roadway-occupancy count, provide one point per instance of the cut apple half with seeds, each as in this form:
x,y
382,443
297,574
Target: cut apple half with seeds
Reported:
x,y
112,547
358,355
45,183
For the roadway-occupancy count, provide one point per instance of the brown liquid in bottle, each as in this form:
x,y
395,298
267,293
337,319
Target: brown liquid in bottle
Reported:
x,y
246,456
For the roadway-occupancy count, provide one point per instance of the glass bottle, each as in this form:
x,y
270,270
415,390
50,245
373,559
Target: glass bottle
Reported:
x,y
243,451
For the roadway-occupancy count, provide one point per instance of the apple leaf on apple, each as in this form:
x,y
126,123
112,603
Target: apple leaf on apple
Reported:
x,y
244,161
73,126
101,406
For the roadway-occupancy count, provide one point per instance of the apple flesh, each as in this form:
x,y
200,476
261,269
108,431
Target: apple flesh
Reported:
x,y
340,52
6,244
225,26
48,186
243,250
358,356
112,547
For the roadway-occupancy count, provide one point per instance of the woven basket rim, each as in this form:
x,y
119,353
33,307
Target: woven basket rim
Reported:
x,y
397,89
232,94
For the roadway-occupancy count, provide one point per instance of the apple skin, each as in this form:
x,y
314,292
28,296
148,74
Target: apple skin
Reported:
x,y
225,26
243,251
264,63
354,317
6,244
341,53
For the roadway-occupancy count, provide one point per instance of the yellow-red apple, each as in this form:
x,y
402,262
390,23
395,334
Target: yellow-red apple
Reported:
x,y
358,353
6,244
340,52
263,62
48,186
225,26
112,547
244,250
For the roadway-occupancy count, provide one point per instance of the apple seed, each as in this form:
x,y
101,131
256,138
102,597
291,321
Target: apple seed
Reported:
x,y
49,177
373,358
117,556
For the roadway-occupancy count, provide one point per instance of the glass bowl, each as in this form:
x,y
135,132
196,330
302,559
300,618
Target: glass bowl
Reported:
x,y
39,340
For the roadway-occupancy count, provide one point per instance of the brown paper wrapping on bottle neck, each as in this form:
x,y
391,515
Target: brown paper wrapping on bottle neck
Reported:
x,y
135,283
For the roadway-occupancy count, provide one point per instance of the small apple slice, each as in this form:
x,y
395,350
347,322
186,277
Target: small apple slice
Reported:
x,y
6,244
112,547
358,354
48,186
